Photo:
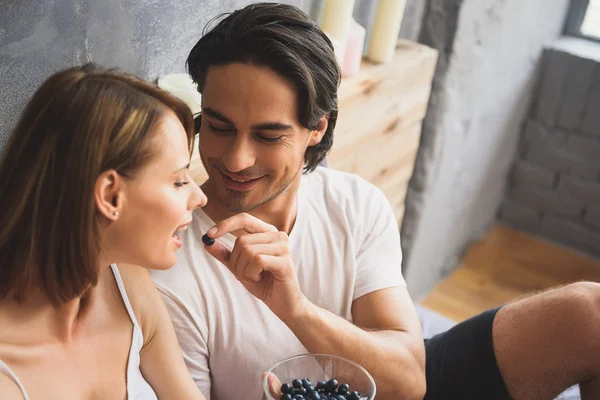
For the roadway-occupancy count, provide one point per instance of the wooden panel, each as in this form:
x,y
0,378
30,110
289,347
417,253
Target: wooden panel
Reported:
x,y
503,266
379,124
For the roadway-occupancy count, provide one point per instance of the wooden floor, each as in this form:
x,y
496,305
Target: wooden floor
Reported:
x,y
505,265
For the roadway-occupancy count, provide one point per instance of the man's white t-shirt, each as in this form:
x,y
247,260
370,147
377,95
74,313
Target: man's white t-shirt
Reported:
x,y
345,244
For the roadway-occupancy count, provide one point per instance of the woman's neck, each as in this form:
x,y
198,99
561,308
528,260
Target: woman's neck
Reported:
x,y
39,321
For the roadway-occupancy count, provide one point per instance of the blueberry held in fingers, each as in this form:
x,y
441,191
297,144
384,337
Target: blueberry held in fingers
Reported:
x,y
207,240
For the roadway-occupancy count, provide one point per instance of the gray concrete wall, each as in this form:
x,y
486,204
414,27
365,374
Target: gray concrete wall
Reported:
x,y
144,37
555,181
489,57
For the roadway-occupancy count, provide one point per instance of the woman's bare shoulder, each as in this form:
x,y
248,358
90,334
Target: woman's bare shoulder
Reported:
x,y
9,390
143,296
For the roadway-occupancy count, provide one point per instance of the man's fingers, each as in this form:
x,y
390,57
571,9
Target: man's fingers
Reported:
x,y
253,259
256,238
245,246
274,384
245,241
243,221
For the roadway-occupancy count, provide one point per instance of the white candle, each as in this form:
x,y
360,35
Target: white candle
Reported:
x,y
354,49
182,86
336,49
336,20
385,30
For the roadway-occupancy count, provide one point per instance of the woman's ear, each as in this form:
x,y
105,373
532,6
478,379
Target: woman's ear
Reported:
x,y
317,135
108,194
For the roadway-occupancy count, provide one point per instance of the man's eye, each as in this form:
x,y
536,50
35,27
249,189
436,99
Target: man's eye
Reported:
x,y
218,129
270,139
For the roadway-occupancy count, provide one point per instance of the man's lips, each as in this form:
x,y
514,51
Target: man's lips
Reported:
x,y
240,183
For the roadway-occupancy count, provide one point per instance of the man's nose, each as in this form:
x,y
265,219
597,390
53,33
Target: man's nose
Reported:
x,y
240,156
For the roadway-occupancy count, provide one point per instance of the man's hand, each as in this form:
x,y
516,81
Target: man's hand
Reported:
x,y
273,383
261,261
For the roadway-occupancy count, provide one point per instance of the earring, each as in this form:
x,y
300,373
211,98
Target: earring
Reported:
x,y
116,213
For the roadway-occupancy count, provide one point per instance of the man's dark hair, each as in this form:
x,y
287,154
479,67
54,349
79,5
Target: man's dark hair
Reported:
x,y
286,40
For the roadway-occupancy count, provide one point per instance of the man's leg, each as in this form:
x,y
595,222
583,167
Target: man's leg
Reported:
x,y
548,342
461,364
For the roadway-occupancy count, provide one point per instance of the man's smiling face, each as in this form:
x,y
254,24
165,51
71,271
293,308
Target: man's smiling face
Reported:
x,y
252,143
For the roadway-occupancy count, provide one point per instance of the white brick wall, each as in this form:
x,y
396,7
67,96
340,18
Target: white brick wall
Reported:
x,y
555,182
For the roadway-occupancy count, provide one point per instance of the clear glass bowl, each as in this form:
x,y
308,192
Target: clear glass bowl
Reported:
x,y
318,367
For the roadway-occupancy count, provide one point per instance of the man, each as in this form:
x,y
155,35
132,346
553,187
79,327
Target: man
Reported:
x,y
310,262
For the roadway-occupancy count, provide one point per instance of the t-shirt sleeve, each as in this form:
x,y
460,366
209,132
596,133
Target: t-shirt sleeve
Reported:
x,y
191,334
379,256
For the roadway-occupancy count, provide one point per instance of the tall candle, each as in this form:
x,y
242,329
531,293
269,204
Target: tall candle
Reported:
x,y
336,20
182,86
385,30
336,49
354,50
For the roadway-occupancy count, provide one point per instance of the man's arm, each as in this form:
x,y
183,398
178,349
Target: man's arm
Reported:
x,y
161,362
385,339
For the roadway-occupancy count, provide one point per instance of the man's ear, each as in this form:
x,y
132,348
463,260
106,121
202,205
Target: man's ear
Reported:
x,y
108,195
317,135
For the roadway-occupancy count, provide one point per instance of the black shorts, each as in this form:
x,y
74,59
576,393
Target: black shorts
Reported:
x,y
461,364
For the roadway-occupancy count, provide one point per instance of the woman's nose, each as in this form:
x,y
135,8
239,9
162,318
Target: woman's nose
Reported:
x,y
198,198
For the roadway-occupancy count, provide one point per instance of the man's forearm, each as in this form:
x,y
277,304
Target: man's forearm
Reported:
x,y
394,358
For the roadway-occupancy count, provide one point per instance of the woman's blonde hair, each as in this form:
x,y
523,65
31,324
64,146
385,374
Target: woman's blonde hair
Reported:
x,y
80,122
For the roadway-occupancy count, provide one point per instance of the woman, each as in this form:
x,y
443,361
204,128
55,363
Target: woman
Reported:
x,y
95,175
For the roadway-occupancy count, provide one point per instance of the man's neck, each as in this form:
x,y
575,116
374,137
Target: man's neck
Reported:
x,y
280,212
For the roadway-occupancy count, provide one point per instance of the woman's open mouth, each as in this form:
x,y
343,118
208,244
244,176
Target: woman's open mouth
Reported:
x,y
176,238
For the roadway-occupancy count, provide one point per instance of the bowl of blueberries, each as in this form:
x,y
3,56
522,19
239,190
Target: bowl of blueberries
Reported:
x,y
318,377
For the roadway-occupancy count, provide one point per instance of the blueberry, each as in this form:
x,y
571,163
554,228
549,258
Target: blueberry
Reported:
x,y
302,391
321,385
315,396
297,383
285,396
207,240
344,389
306,383
285,388
298,397
331,385
340,397
354,396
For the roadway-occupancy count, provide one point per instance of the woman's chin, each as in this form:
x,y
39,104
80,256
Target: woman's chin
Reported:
x,y
166,265
163,264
